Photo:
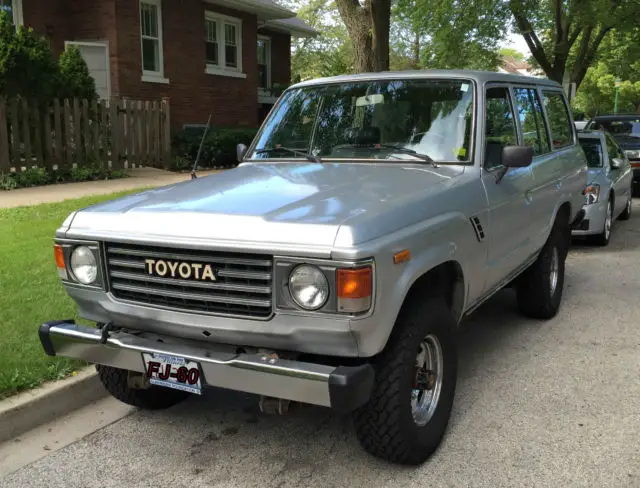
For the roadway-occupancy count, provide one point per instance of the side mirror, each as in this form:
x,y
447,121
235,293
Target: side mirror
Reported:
x,y
517,156
616,163
514,157
240,150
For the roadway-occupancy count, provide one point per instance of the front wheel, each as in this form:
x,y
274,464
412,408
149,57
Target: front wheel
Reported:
x,y
119,384
603,238
406,417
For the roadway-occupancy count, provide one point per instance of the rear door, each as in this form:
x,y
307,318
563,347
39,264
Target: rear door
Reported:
x,y
620,177
509,214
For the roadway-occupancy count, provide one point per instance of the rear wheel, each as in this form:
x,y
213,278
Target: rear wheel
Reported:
x,y
626,214
132,389
539,288
406,417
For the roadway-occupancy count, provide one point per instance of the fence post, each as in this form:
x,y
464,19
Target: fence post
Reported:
x,y
27,133
57,124
48,159
15,135
85,129
37,135
77,125
166,143
114,128
68,129
4,138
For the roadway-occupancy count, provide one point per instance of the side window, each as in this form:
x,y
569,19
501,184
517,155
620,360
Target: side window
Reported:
x,y
500,126
534,133
559,122
613,149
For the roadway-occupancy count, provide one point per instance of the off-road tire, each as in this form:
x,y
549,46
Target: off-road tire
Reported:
x,y
626,213
603,238
153,398
533,289
384,425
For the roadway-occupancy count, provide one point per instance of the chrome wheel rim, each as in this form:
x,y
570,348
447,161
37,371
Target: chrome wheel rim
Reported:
x,y
555,270
427,383
607,223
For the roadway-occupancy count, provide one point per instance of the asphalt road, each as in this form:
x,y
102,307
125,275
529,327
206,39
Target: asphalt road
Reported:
x,y
552,404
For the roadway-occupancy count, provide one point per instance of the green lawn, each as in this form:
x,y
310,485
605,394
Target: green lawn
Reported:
x,y
31,292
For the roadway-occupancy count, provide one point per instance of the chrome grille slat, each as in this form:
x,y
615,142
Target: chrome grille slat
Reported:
x,y
242,287
265,290
192,296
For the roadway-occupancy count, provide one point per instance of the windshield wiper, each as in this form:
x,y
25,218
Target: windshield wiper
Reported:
x,y
407,150
297,152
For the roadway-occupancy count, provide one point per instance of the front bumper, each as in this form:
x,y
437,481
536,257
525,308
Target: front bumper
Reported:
x,y
341,388
592,221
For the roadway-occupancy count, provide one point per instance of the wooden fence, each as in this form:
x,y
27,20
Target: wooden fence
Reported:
x,y
117,133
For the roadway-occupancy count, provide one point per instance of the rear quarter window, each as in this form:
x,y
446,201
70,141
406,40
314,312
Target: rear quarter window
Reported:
x,y
558,118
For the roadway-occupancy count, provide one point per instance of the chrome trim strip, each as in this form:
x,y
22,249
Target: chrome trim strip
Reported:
x,y
190,283
192,296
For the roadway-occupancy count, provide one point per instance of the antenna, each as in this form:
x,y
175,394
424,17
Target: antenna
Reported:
x,y
195,164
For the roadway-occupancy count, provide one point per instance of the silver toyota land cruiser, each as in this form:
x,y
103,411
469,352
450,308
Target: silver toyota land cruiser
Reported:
x,y
332,267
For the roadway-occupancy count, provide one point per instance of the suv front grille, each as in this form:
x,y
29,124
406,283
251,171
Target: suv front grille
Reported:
x,y
242,285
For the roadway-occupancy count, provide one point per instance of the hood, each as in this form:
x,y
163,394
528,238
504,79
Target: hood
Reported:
x,y
271,204
627,142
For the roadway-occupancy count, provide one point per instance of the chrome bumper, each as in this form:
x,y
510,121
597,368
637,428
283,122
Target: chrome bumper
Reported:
x,y
341,388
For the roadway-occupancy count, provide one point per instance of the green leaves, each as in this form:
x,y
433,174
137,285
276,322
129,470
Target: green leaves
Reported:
x,y
29,69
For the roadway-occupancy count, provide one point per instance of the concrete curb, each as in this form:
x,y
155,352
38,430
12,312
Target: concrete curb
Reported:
x,y
26,411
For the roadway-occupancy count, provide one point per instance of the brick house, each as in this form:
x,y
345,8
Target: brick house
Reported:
x,y
217,57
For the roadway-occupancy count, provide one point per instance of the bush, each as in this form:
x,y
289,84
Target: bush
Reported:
x,y
75,80
218,149
40,176
29,69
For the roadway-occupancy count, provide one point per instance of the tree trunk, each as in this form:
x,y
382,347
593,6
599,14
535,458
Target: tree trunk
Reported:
x,y
368,28
416,50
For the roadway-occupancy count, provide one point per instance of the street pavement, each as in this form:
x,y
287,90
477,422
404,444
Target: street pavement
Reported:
x,y
544,404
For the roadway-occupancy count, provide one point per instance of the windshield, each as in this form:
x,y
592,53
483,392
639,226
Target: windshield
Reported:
x,y
593,150
364,120
619,127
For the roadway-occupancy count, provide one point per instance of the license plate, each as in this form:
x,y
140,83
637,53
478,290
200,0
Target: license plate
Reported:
x,y
173,372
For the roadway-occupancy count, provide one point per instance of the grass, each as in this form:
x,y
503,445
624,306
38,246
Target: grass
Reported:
x,y
31,292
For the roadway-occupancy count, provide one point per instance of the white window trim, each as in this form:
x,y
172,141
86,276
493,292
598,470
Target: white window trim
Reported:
x,y
153,76
104,44
221,69
16,10
269,69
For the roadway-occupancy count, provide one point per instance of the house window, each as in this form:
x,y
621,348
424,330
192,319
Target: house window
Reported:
x,y
14,9
151,39
264,62
224,45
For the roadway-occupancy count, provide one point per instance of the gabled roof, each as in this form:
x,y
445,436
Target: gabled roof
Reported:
x,y
294,26
264,9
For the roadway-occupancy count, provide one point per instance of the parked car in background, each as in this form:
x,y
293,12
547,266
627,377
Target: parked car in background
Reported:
x,y
608,194
625,129
580,124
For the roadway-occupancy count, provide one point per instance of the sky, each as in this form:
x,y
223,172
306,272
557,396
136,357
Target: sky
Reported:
x,y
516,41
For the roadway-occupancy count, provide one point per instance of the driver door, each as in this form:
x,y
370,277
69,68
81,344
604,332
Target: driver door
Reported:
x,y
508,199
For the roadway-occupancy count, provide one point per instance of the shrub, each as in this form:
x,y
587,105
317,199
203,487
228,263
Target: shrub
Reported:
x,y
75,80
40,176
28,67
218,149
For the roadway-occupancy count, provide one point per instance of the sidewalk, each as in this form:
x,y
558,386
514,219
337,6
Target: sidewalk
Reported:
x,y
138,178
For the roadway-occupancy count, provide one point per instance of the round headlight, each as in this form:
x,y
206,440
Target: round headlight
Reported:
x,y
309,287
84,265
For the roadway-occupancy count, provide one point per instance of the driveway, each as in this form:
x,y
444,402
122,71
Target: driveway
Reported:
x,y
550,404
